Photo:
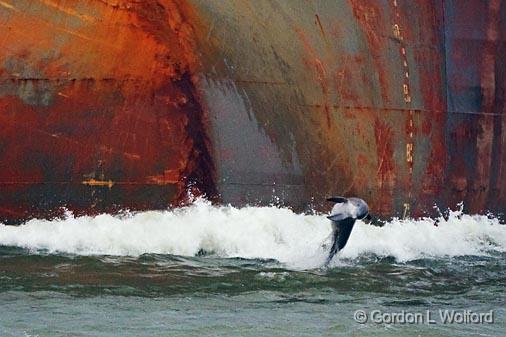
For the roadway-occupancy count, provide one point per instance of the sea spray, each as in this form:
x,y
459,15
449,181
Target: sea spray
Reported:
x,y
296,240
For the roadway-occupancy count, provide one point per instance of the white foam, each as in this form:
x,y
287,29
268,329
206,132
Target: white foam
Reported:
x,y
254,232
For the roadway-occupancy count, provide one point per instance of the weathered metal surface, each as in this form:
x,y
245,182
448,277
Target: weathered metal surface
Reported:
x,y
359,98
476,82
98,107
123,104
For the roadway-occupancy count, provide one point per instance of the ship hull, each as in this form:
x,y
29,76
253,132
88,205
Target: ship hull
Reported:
x,y
111,105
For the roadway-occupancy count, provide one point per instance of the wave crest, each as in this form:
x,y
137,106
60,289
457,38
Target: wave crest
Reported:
x,y
254,232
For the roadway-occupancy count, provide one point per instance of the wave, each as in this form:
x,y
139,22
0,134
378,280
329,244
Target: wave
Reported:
x,y
296,240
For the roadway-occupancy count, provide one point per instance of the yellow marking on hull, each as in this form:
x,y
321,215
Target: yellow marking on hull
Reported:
x,y
94,182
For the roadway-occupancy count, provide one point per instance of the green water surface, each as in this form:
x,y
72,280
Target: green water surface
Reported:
x,y
164,295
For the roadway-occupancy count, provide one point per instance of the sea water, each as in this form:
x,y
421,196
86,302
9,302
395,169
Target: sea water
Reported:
x,y
207,270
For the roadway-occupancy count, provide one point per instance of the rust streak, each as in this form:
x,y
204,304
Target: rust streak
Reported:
x,y
71,140
68,11
321,28
8,6
68,31
370,108
261,82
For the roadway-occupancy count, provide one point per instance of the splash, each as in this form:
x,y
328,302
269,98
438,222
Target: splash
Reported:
x,y
296,240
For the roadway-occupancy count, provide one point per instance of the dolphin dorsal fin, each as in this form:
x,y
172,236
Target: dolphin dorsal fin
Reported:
x,y
337,200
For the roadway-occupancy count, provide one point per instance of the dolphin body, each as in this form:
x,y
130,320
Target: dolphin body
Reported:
x,y
343,216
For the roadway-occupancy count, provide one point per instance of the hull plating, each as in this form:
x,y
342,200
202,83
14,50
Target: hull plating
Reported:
x,y
107,105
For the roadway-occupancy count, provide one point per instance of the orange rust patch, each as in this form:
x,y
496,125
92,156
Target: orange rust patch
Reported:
x,y
385,173
384,150
99,93
369,16
315,62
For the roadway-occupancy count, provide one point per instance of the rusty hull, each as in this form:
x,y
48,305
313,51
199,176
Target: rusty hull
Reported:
x,y
114,104
99,109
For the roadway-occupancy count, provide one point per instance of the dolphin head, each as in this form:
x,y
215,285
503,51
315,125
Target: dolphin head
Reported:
x,y
362,209
344,208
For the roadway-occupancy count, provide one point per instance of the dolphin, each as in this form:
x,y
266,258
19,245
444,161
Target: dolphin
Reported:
x,y
343,216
